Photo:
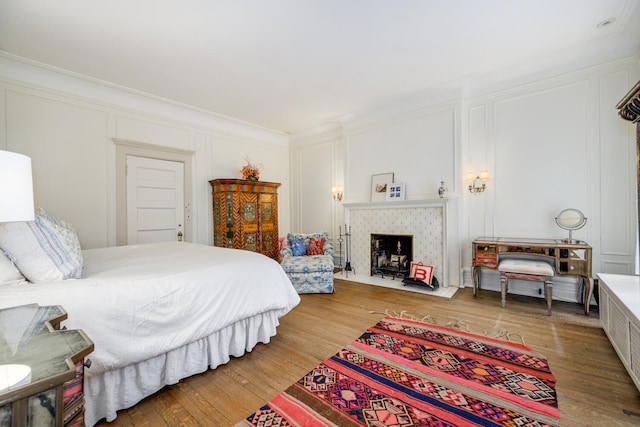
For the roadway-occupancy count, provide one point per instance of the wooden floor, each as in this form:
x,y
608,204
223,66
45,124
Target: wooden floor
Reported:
x,y
593,387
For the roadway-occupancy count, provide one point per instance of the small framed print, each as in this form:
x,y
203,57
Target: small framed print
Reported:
x,y
395,192
379,185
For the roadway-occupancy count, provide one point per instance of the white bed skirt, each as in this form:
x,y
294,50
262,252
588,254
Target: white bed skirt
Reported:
x,y
111,391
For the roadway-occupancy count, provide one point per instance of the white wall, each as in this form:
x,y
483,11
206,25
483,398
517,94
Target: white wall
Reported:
x,y
552,145
67,123
547,145
420,149
316,167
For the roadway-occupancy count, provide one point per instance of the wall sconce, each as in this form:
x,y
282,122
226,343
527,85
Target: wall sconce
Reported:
x,y
337,193
477,183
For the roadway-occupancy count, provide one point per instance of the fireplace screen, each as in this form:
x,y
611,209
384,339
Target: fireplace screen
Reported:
x,y
391,255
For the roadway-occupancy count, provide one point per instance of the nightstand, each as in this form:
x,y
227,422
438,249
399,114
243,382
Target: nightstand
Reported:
x,y
53,395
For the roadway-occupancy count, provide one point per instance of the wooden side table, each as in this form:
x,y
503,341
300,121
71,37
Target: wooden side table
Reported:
x,y
30,335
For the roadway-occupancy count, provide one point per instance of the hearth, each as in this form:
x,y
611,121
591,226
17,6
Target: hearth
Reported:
x,y
391,254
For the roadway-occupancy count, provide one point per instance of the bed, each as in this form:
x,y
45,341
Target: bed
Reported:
x,y
161,312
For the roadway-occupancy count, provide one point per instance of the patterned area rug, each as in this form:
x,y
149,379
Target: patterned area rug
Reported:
x,y
402,372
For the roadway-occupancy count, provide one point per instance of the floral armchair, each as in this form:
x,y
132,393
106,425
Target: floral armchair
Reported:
x,y
308,261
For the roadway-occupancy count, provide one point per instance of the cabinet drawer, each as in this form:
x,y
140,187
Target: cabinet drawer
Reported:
x,y
486,260
572,267
487,249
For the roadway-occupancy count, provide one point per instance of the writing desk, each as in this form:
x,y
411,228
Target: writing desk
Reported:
x,y
567,259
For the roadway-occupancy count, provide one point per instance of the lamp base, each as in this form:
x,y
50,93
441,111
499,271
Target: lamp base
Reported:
x,y
14,376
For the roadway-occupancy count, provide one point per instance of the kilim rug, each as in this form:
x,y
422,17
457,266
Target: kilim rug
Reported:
x,y
403,372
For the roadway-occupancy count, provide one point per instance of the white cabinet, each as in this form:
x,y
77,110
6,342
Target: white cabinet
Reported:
x,y
620,318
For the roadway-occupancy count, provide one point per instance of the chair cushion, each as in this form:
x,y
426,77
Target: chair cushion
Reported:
x,y
319,282
525,266
307,264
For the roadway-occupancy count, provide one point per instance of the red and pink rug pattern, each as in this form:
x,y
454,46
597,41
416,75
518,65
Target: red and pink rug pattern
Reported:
x,y
407,373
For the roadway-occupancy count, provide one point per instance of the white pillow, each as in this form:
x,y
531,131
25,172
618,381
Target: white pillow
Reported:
x,y
9,273
43,250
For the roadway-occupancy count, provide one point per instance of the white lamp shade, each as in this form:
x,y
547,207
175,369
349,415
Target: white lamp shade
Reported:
x,y
16,187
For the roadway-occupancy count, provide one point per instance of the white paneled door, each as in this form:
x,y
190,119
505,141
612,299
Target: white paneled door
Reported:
x,y
155,200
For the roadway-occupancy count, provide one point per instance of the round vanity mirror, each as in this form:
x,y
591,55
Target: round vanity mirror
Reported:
x,y
570,219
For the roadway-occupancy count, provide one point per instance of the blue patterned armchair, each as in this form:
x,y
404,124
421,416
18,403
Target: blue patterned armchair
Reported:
x,y
310,274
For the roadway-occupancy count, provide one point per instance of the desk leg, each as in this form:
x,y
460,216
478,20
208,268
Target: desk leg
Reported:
x,y
475,277
587,293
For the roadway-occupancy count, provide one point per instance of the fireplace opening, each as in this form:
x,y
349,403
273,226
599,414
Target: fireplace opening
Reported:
x,y
391,254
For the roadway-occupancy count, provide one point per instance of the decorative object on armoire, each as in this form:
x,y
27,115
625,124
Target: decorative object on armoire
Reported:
x,y
311,268
571,219
379,184
477,183
245,215
442,189
250,171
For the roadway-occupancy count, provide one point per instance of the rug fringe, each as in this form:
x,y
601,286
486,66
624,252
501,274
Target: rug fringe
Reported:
x,y
453,324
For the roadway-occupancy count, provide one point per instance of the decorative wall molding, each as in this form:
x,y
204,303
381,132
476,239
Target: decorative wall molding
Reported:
x,y
21,71
427,203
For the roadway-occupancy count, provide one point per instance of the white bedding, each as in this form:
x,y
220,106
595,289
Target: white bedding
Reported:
x,y
150,307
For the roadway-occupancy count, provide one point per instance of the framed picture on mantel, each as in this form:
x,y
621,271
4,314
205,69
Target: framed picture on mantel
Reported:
x,y
395,192
379,184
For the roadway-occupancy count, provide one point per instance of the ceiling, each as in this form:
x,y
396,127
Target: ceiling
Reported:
x,y
290,65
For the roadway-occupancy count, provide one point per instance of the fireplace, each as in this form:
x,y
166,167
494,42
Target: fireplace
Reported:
x,y
391,254
425,220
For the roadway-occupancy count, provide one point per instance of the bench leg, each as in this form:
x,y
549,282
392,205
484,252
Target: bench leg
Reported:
x,y
504,283
548,290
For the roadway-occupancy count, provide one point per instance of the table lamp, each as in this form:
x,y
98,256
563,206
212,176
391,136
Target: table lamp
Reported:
x,y
16,204
16,188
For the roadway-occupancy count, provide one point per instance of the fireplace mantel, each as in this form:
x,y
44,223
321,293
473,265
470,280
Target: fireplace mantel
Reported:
x,y
426,203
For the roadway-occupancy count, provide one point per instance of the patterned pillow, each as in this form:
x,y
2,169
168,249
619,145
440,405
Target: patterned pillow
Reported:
x,y
419,271
66,230
297,245
315,246
43,250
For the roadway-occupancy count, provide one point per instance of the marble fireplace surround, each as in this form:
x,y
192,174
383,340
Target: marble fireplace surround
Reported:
x,y
424,219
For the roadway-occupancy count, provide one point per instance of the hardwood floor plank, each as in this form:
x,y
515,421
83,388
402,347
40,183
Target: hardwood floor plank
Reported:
x,y
593,387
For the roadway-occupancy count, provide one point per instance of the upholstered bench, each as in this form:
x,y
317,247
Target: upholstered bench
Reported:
x,y
528,270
